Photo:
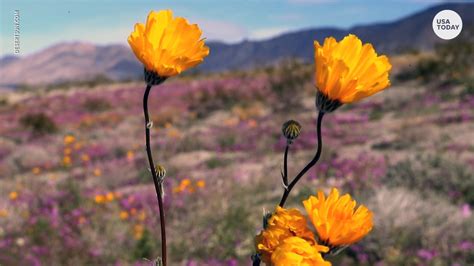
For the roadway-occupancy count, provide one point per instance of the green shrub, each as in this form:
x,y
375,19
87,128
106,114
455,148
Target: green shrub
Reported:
x,y
144,248
453,61
38,123
468,88
216,162
96,105
3,102
286,78
227,141
434,174
407,222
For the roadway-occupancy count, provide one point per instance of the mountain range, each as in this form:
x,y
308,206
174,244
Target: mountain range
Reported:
x,y
72,61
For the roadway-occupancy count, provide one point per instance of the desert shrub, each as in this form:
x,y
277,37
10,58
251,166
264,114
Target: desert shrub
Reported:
x,y
144,247
286,78
166,115
72,189
25,157
457,56
468,87
38,123
216,162
405,225
189,143
452,61
376,113
91,82
3,102
391,145
434,174
228,229
96,105
227,141
427,69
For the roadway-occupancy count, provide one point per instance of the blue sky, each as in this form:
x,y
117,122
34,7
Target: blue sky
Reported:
x,y
46,22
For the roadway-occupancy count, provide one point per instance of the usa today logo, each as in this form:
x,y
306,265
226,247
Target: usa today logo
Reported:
x,y
447,24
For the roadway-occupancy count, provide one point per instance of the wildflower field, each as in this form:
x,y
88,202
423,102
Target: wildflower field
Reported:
x,y
75,188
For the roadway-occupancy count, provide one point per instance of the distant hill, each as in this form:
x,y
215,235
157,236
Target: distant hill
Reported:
x,y
82,61
412,32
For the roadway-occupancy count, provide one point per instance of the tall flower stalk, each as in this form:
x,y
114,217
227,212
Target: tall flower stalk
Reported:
x,y
166,46
346,71
157,179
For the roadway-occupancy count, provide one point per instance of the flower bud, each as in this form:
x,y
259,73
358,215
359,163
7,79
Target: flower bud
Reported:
x,y
291,130
160,171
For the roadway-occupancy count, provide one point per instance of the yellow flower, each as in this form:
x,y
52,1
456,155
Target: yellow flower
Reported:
x,y
82,220
130,155
67,161
13,195
68,139
99,199
142,216
36,170
269,239
123,215
298,252
110,196
97,172
185,182
284,223
201,183
167,45
335,219
3,213
67,151
348,71
291,219
85,158
138,230
77,145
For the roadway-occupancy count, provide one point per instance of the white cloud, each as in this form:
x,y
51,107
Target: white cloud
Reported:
x,y
266,33
222,30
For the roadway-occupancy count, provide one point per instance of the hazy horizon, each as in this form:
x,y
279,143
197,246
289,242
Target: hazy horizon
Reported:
x,y
75,22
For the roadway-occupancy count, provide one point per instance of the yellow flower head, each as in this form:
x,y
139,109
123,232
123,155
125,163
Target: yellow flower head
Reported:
x,y
99,199
336,220
110,196
292,220
348,71
3,213
123,215
13,195
97,172
283,224
297,251
36,170
167,45
68,139
85,158
201,183
67,161
130,155
138,230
